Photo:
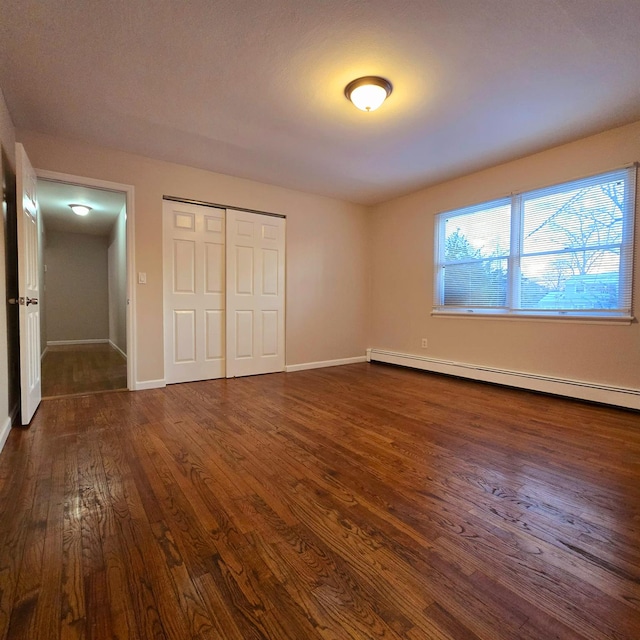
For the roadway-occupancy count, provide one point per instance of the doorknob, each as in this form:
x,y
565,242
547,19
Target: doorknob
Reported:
x,y
32,301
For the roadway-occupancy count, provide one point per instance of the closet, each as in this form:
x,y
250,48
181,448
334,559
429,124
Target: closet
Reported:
x,y
224,292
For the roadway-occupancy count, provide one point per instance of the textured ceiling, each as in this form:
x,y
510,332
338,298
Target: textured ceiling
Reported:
x,y
54,199
255,89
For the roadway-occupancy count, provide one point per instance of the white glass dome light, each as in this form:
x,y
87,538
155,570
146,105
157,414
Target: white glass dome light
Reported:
x,y
80,209
369,92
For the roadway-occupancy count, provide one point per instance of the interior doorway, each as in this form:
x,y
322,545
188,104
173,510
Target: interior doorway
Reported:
x,y
84,288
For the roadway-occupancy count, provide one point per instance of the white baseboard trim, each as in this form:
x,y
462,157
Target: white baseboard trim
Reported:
x,y
56,343
325,363
4,431
44,352
606,394
149,384
118,349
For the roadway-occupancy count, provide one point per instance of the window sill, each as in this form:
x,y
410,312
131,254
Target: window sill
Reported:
x,y
619,320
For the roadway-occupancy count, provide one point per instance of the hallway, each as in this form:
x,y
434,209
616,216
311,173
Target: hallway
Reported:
x,y
82,368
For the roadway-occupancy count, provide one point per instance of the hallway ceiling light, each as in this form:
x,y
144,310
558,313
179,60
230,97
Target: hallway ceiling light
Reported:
x,y
369,92
80,209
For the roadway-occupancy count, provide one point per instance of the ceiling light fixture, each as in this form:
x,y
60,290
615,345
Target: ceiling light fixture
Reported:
x,y
80,209
368,93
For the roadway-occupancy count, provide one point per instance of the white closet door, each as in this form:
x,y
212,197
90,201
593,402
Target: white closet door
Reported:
x,y
194,290
255,293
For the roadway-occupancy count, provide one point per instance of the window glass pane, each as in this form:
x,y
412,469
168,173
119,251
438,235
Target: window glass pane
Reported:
x,y
572,251
478,284
589,216
480,234
571,280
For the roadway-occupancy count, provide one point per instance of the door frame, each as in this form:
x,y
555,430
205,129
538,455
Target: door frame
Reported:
x,y
128,190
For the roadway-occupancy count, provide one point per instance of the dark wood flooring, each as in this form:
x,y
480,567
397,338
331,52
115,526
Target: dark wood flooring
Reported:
x,y
82,368
361,501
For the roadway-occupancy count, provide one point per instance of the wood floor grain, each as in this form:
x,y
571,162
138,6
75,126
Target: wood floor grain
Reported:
x,y
362,501
82,368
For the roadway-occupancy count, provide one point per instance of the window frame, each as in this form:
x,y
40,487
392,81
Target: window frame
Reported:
x,y
513,306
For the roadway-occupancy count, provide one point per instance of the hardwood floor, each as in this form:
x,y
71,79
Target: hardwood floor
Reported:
x,y
362,501
82,368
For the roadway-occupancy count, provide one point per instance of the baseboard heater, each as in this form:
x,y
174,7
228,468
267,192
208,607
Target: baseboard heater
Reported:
x,y
618,396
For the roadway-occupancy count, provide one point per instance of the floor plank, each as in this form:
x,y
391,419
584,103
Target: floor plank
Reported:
x,y
363,501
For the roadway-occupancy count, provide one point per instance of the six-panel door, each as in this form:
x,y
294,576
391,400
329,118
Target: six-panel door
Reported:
x,y
194,289
255,293
28,286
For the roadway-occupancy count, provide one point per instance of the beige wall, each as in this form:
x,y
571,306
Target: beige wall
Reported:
x,y
118,282
77,302
402,243
7,173
327,257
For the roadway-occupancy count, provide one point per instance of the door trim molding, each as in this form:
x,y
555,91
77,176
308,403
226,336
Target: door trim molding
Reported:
x,y
129,191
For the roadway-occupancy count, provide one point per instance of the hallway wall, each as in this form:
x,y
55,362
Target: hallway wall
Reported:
x,y
118,283
77,302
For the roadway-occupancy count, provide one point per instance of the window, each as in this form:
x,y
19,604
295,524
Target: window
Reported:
x,y
565,250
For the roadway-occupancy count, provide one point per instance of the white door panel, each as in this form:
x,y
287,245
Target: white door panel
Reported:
x,y
28,286
270,272
184,266
270,333
244,334
255,293
184,329
214,268
215,330
194,290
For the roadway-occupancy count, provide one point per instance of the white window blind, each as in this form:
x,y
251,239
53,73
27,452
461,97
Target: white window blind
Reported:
x,y
562,250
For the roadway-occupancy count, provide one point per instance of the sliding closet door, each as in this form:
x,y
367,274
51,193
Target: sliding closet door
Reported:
x,y
255,293
194,290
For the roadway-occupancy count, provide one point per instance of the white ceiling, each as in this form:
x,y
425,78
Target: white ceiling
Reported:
x,y
54,199
255,89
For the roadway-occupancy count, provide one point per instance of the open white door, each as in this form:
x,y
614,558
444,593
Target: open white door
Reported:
x,y
255,293
28,285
